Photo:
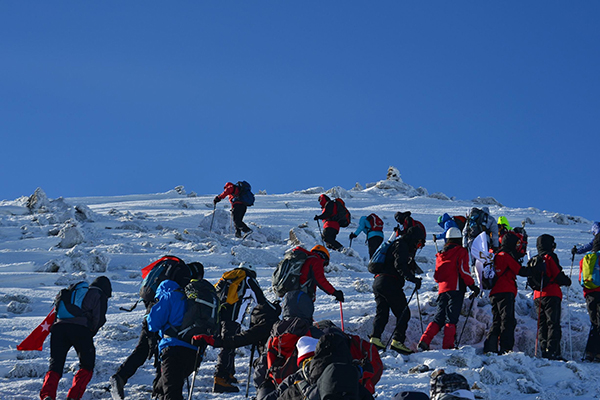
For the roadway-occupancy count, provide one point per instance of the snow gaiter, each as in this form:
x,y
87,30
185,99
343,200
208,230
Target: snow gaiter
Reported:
x,y
50,385
430,332
449,336
80,381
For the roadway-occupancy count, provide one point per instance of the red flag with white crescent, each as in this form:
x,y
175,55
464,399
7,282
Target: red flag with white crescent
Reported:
x,y
36,339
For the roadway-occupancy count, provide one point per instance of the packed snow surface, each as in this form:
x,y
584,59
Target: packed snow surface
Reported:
x,y
46,244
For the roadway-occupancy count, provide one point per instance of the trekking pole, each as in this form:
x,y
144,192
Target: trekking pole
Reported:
x,y
569,308
435,242
350,245
213,216
420,316
321,233
250,369
199,357
401,316
465,325
342,316
537,333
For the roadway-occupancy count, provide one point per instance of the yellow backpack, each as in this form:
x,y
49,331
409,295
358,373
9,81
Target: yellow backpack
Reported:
x,y
228,286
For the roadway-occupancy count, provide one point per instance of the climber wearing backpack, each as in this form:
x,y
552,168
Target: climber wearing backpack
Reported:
x,y
177,356
445,222
167,267
594,242
237,289
502,296
388,289
589,277
453,275
548,296
331,215
240,197
280,359
405,221
480,220
372,226
80,313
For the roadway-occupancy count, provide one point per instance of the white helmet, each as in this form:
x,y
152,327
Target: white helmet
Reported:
x,y
247,266
453,233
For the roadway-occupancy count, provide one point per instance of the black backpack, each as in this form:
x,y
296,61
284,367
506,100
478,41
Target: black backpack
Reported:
x,y
164,268
245,193
476,222
286,276
536,273
202,311
342,215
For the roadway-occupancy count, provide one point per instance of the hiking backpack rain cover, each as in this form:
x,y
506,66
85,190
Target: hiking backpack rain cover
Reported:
x,y
286,276
68,301
245,193
589,273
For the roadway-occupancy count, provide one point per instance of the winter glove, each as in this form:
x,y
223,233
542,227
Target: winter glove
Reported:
x,y
416,281
475,291
434,238
216,200
317,218
562,279
352,236
574,250
339,295
199,340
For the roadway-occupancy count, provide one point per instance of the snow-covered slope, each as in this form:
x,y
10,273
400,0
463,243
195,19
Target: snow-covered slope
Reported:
x,y
45,244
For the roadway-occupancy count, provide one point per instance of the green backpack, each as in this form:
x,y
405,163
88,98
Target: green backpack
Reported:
x,y
589,272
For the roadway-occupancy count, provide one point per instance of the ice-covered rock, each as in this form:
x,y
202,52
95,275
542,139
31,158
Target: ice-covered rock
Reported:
x,y
488,201
393,174
38,201
312,190
71,235
338,191
439,196
218,221
16,307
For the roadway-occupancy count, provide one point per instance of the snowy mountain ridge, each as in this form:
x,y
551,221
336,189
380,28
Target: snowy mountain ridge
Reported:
x,y
48,243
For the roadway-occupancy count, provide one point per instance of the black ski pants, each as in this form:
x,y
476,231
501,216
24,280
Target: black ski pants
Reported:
x,y
449,305
144,350
237,212
225,367
549,333
329,235
63,337
503,324
373,243
592,347
177,363
389,295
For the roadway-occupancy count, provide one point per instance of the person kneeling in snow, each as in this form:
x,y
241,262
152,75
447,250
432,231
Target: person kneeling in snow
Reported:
x,y
452,274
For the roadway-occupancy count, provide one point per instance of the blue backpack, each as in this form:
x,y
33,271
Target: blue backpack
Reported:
x,y
68,301
377,262
245,195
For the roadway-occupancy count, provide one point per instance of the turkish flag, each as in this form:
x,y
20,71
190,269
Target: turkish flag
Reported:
x,y
35,340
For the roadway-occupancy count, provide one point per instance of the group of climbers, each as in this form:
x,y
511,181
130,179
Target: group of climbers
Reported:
x,y
301,359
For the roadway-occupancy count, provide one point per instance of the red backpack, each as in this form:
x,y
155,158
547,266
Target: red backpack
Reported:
x,y
368,357
282,356
376,222
340,213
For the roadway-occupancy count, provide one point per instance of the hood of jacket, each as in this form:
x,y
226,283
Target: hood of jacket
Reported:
x,y
323,199
545,244
103,283
166,286
445,218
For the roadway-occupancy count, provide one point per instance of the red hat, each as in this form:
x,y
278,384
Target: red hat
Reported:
x,y
306,346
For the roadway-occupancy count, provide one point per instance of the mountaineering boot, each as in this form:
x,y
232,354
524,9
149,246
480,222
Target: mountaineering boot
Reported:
x,y
232,379
400,347
116,387
222,386
377,343
423,346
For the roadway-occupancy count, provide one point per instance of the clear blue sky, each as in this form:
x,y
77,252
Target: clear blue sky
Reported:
x,y
468,98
